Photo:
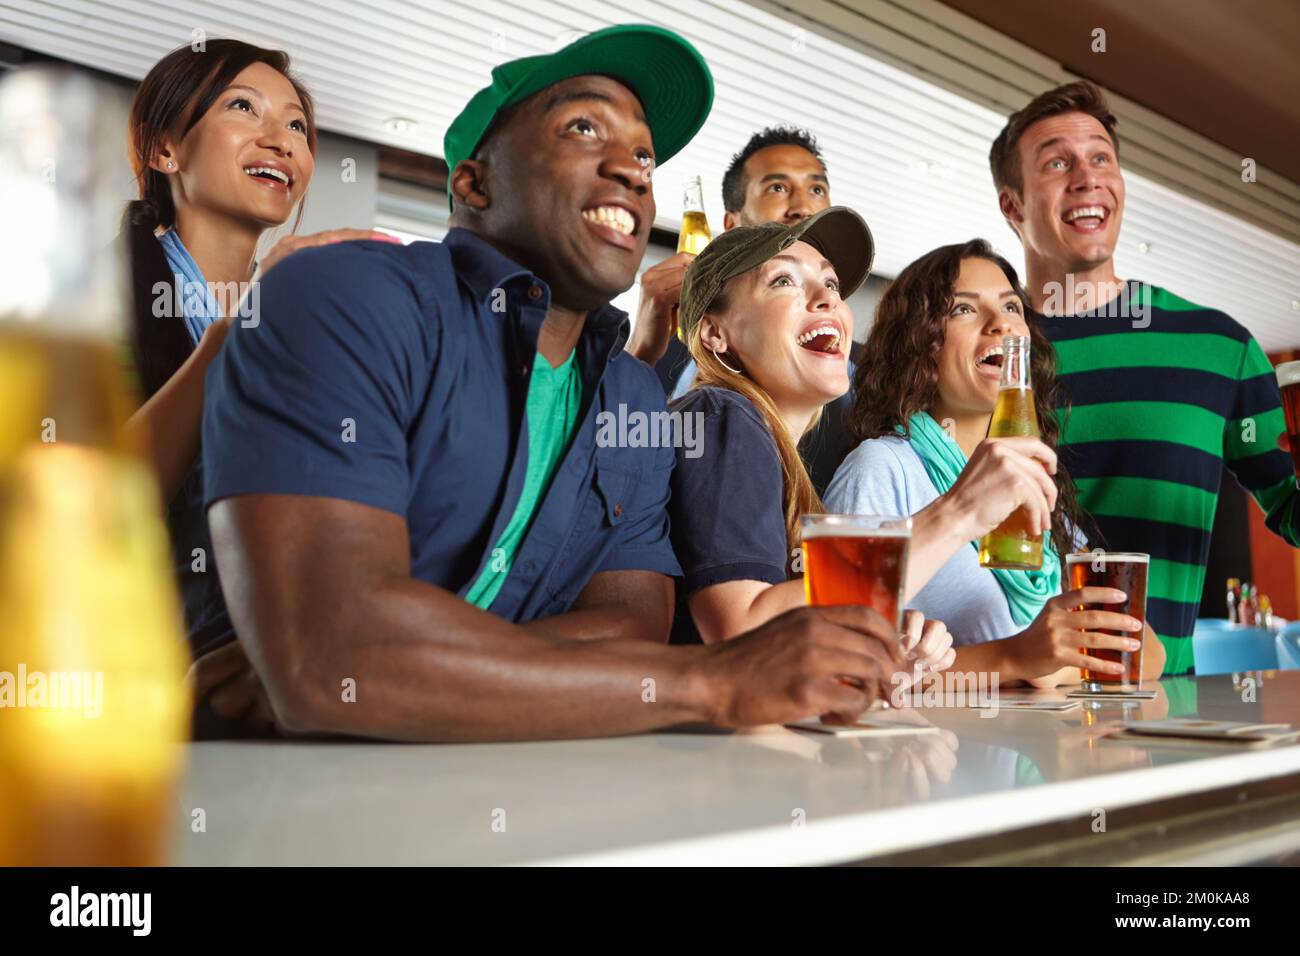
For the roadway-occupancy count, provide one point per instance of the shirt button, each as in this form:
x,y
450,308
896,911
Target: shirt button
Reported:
x,y
534,292
529,567
618,510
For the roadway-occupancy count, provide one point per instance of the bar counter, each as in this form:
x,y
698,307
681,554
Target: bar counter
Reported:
x,y
1027,786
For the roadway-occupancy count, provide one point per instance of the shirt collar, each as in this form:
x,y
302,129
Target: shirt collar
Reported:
x,y
480,265
484,268
1130,292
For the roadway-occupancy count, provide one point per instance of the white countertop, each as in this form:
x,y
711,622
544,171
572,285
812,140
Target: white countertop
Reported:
x,y
767,796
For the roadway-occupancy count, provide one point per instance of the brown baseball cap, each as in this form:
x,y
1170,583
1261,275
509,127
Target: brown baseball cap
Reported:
x,y
839,233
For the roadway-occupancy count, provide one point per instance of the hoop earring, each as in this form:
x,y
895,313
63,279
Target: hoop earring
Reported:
x,y
733,371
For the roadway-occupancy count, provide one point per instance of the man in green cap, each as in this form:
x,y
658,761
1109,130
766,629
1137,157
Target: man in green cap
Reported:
x,y
419,535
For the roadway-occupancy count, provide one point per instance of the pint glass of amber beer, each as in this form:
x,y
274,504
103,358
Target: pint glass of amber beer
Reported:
x,y
1125,571
1288,380
856,559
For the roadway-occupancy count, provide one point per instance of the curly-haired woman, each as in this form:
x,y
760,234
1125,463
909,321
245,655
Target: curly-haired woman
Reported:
x,y
934,356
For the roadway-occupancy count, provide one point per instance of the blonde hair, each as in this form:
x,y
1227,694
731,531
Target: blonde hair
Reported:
x,y
800,497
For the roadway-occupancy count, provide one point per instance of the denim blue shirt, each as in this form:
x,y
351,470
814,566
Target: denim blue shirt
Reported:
x,y
396,376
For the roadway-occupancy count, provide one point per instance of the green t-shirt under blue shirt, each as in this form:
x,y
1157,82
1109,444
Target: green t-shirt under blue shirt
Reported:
x,y
551,411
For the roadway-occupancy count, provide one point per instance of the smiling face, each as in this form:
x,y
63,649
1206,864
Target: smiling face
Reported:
x,y
563,188
248,156
984,308
1072,197
788,326
782,184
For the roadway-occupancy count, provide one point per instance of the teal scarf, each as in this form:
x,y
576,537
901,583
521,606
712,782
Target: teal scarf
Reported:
x,y
1026,591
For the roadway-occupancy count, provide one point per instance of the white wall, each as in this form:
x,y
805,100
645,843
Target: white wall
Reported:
x,y
344,188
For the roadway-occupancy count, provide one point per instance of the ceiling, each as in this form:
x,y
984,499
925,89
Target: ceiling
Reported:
x,y
908,152
1228,70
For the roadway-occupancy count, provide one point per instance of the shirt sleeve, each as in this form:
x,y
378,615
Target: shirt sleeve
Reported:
x,y
727,507
314,394
1250,445
870,481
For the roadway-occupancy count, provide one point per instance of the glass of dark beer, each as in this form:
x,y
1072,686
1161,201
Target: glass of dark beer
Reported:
x,y
1288,380
856,559
1125,571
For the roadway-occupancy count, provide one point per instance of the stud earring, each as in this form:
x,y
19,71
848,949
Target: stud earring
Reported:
x,y
171,165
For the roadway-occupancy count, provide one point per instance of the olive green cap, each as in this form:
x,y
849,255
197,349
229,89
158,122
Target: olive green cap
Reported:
x,y
838,233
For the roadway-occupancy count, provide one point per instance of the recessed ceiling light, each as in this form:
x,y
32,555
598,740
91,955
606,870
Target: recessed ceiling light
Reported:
x,y
398,124
923,168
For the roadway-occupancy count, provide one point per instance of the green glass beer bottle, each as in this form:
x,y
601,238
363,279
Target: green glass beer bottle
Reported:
x,y
1011,544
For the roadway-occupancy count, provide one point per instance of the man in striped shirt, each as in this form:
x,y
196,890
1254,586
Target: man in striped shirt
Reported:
x,y
1164,392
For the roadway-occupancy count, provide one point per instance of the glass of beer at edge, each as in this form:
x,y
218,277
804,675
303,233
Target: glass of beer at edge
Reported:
x,y
1288,380
856,559
1124,571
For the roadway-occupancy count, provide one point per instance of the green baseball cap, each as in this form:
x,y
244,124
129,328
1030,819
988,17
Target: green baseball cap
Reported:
x,y
665,71
839,233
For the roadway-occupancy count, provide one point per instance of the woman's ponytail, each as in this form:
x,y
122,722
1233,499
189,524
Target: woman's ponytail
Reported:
x,y
143,214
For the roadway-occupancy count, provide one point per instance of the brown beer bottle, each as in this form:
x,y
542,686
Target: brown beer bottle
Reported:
x,y
1011,544
93,704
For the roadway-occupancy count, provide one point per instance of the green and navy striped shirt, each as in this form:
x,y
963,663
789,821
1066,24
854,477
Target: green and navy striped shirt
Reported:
x,y
1158,410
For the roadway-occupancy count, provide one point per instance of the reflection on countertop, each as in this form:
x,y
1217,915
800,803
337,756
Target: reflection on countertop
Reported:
x,y
787,796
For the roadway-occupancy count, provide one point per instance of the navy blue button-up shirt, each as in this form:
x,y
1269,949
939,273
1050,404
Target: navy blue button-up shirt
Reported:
x,y
396,376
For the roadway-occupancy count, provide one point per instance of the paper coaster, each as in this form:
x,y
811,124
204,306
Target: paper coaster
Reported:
x,y
865,727
1112,694
1049,706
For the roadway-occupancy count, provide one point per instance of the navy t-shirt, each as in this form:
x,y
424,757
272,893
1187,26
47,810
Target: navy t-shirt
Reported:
x,y
396,377
727,505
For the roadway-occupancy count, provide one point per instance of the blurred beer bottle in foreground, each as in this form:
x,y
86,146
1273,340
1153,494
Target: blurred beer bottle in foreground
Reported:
x,y
695,234
93,705
1011,544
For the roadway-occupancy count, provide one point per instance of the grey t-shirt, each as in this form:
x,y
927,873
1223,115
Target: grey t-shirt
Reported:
x,y
884,476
